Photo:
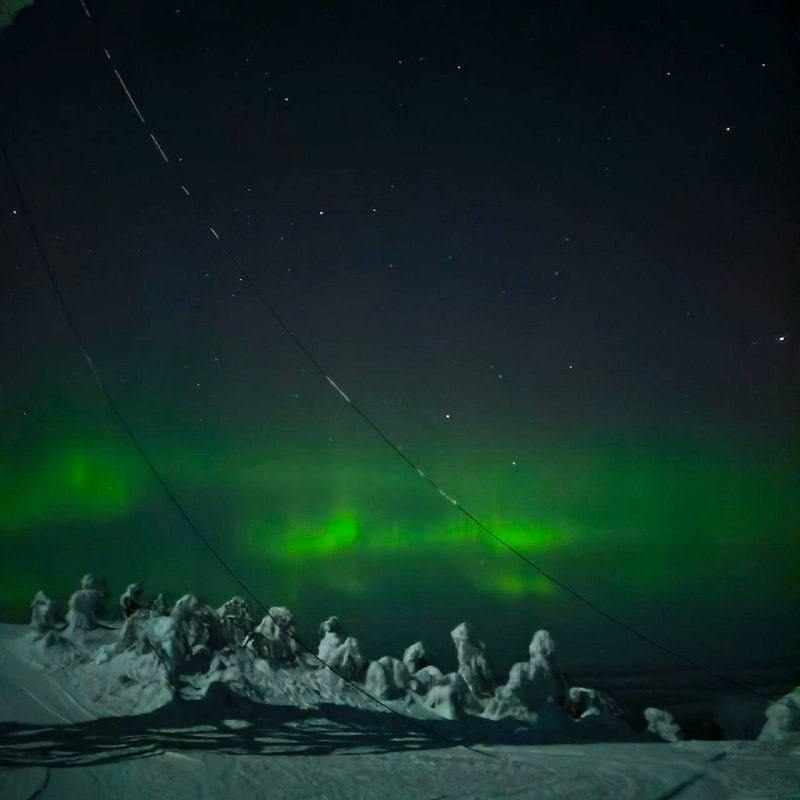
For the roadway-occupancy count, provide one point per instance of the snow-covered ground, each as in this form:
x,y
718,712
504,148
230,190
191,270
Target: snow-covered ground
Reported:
x,y
57,742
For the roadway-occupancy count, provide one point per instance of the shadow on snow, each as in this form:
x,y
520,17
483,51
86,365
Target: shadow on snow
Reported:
x,y
226,723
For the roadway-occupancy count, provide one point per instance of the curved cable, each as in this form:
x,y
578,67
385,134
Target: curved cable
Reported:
x,y
165,486
304,349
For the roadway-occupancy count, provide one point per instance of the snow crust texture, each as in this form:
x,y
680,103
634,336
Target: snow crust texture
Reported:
x,y
182,700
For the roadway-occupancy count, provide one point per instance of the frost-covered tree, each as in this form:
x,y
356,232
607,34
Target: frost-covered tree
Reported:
x,y
472,664
43,613
662,724
275,638
236,620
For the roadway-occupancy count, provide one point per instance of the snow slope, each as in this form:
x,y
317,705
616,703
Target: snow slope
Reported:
x,y
57,742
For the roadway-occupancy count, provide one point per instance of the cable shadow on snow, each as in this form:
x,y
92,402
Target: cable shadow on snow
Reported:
x,y
224,723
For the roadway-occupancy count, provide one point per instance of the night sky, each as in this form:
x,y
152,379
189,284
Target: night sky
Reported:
x,y
550,248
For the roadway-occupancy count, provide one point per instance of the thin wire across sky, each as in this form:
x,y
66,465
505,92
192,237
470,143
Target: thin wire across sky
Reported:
x,y
245,276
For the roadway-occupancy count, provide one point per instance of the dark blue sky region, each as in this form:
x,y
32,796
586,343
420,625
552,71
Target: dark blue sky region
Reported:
x,y
547,247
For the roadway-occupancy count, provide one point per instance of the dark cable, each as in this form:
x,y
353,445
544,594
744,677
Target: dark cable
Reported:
x,y
262,298
167,490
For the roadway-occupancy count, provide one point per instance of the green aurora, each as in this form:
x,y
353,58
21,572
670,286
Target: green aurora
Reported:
x,y
652,524
468,257
9,10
